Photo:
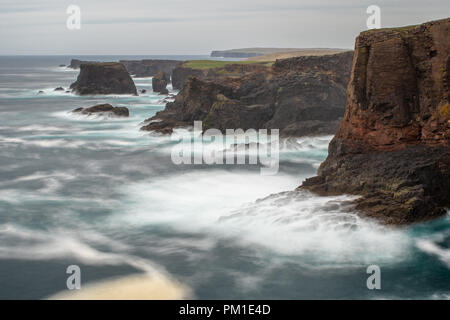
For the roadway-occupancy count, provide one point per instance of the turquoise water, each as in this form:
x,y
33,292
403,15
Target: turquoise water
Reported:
x,y
99,193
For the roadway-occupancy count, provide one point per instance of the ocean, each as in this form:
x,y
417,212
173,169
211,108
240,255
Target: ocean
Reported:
x,y
100,194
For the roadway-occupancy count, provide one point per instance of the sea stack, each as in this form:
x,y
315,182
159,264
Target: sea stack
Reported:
x,y
393,145
103,78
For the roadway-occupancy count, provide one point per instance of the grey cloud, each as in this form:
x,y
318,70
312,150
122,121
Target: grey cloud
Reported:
x,y
196,27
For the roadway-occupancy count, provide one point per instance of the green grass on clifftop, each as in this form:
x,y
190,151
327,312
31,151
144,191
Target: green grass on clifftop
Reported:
x,y
212,64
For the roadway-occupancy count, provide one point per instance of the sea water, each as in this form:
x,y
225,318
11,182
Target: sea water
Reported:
x,y
99,193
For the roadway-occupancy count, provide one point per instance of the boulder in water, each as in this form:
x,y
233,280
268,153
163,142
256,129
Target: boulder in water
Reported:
x,y
104,109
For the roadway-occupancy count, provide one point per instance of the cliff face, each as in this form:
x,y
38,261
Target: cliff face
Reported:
x,y
399,90
393,145
297,97
103,78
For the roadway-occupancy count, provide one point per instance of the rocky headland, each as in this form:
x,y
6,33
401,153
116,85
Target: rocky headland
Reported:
x,y
300,96
103,78
393,146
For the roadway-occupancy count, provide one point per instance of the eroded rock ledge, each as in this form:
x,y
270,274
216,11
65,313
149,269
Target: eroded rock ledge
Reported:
x,y
393,145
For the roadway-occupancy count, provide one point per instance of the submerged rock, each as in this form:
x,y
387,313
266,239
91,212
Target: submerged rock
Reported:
x,y
59,89
393,145
103,78
104,109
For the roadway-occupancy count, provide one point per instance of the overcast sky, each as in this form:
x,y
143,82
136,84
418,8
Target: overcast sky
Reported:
x,y
197,26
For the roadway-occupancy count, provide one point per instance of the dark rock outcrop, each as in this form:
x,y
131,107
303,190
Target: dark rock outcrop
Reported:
x,y
393,145
148,68
298,97
59,89
159,83
104,109
103,78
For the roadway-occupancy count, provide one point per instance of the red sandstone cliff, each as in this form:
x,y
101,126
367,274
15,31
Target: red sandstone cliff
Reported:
x,y
393,145
398,93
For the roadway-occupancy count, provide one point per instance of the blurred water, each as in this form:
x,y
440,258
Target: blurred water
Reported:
x,y
101,194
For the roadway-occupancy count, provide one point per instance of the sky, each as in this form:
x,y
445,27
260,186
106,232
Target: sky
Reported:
x,y
155,27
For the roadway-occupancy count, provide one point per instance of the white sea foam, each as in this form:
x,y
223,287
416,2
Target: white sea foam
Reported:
x,y
52,182
36,127
431,247
142,79
65,69
44,143
326,229
322,229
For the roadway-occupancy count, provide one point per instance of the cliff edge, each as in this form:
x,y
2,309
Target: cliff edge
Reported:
x,y
393,145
